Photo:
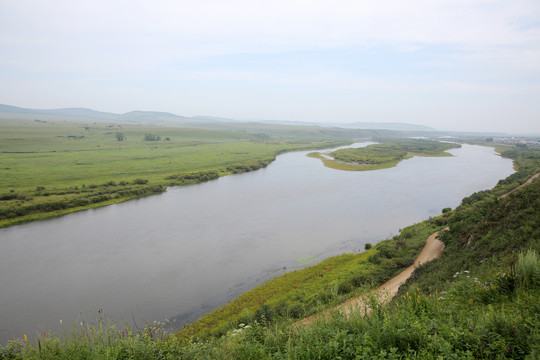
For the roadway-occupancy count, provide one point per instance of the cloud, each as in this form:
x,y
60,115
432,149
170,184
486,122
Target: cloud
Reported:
x,y
166,49
177,29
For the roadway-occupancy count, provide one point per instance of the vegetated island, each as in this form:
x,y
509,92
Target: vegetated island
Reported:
x,y
387,153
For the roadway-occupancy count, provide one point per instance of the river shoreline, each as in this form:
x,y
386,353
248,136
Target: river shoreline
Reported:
x,y
224,171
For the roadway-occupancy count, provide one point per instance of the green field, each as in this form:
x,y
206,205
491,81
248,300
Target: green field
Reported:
x,y
388,153
49,168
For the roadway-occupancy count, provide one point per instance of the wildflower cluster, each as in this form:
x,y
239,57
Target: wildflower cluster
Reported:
x,y
241,328
463,272
486,285
415,302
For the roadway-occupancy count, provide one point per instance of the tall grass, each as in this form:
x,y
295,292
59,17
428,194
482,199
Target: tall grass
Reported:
x,y
528,269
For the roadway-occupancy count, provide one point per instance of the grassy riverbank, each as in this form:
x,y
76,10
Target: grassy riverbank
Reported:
x,y
52,168
301,293
388,153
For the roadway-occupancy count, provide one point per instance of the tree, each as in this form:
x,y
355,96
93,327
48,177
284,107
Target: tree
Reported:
x,y
150,137
120,136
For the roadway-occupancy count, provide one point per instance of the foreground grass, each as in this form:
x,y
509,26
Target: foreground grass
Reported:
x,y
54,168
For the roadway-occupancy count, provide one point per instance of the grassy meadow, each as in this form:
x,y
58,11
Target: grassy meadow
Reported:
x,y
49,168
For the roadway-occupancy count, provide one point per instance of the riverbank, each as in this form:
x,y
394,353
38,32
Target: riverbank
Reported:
x,y
308,291
387,291
52,169
384,293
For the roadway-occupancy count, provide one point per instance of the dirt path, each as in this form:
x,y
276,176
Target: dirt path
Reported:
x,y
522,185
389,289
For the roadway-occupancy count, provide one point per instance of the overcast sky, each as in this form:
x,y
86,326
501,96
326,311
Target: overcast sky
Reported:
x,y
450,64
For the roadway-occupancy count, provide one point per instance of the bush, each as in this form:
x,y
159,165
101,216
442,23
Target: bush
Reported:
x,y
375,259
296,310
386,251
528,269
15,196
368,246
345,287
361,279
264,315
195,177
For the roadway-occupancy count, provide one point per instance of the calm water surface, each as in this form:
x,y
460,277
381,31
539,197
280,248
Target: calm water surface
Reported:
x,y
182,253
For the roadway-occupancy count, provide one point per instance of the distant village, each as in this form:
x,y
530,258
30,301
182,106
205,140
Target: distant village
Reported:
x,y
515,140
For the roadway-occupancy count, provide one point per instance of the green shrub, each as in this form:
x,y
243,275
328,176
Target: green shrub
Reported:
x,y
386,251
368,246
296,310
264,315
345,287
528,269
375,259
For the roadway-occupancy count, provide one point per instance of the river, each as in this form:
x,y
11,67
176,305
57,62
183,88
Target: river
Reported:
x,y
182,253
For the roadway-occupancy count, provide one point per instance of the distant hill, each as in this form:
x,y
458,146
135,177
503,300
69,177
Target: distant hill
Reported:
x,y
354,125
164,118
357,125
75,113
142,117
386,126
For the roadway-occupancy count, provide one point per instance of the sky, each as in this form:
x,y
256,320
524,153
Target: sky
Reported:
x,y
464,65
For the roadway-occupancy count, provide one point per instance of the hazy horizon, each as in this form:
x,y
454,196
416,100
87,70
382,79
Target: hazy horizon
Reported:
x,y
452,64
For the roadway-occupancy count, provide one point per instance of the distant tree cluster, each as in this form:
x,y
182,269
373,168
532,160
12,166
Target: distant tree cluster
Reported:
x,y
150,137
194,177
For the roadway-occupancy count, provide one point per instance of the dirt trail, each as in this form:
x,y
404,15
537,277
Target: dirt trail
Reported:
x,y
389,289
522,185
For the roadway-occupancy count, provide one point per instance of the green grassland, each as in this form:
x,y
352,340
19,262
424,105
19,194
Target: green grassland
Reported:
x,y
50,168
388,153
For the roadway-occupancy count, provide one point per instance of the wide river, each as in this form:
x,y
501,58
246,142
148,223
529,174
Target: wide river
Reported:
x,y
182,253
